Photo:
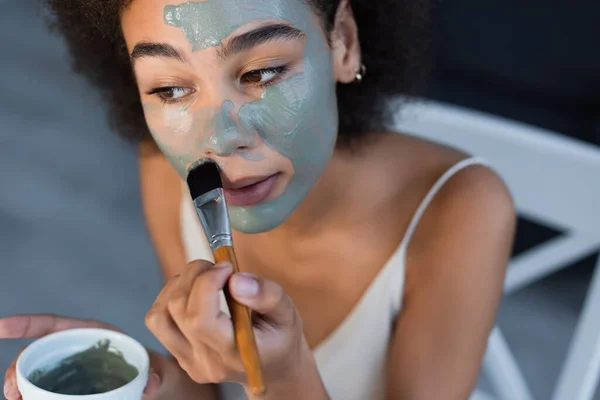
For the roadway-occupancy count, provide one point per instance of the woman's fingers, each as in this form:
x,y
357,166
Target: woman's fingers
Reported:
x,y
38,325
187,319
156,376
202,318
11,392
169,319
160,322
265,297
152,386
179,297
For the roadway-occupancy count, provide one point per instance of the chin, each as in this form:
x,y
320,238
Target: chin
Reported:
x,y
265,216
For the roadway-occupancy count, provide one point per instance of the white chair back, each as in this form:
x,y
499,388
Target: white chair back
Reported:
x,y
555,181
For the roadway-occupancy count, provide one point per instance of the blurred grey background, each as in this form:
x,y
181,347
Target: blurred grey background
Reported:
x,y
72,235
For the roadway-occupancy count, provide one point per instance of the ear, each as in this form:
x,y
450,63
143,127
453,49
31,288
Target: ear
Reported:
x,y
345,44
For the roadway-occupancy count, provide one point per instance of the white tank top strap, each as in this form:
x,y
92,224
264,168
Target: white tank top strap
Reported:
x,y
412,226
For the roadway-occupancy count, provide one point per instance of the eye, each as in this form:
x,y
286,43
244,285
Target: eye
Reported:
x,y
263,77
171,94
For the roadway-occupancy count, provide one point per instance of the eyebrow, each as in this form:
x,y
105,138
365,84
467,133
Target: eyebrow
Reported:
x,y
237,44
150,49
258,36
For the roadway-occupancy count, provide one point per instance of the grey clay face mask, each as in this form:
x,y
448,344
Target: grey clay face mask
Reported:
x,y
296,117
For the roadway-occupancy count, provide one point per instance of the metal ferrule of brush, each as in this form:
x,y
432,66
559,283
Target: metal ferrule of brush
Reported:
x,y
212,211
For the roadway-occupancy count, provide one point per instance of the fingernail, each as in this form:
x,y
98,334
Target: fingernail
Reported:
x,y
153,383
224,264
245,285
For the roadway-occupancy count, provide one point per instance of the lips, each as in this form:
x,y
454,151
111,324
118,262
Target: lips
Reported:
x,y
249,191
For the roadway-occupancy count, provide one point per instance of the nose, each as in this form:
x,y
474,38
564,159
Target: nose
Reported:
x,y
228,136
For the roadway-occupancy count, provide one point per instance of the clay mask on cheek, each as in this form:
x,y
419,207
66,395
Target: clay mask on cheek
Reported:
x,y
296,117
184,136
295,121
177,131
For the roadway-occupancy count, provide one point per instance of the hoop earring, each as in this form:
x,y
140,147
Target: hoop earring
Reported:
x,y
360,73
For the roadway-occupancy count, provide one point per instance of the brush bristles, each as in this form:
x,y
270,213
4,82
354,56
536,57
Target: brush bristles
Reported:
x,y
203,178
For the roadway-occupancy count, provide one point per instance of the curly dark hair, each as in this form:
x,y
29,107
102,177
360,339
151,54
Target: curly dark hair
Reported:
x,y
394,38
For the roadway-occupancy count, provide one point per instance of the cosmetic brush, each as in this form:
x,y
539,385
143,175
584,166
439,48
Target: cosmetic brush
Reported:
x,y
206,188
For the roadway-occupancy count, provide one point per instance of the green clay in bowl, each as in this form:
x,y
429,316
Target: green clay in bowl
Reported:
x,y
98,369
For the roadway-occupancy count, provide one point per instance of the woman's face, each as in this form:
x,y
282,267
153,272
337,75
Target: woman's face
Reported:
x,y
248,83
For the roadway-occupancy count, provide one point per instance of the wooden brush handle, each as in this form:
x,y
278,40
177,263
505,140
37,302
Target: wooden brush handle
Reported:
x,y
242,325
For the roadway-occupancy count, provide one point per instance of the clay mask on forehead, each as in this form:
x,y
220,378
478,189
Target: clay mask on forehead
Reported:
x,y
296,117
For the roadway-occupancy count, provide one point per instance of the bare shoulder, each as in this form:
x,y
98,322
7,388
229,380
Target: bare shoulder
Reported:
x,y
475,195
469,225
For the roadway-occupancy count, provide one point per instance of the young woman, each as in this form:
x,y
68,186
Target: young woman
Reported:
x,y
374,259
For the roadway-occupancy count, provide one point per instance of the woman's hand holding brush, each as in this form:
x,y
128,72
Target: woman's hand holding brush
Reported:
x,y
187,318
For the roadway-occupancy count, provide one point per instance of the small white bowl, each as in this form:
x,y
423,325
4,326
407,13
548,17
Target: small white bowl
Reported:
x,y
51,349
